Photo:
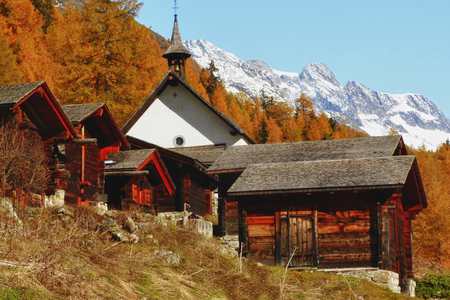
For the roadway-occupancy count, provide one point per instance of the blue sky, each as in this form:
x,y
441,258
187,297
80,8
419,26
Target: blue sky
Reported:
x,y
388,45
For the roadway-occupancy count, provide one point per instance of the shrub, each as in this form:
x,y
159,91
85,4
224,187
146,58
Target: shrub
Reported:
x,y
434,286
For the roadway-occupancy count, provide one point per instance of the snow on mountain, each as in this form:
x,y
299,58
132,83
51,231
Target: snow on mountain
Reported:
x,y
416,117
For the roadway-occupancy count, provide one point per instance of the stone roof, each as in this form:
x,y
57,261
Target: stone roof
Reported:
x,y
128,160
239,157
79,112
325,175
14,93
205,154
176,43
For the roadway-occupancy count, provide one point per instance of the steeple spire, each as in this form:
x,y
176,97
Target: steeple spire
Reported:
x,y
177,53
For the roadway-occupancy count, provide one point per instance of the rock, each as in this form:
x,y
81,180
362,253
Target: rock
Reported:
x,y
64,211
411,288
259,265
130,225
119,236
133,238
101,208
168,257
7,208
56,200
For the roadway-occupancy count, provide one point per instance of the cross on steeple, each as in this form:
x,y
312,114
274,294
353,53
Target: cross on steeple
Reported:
x,y
175,7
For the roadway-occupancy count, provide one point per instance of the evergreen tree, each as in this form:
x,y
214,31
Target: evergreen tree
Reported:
x,y
263,133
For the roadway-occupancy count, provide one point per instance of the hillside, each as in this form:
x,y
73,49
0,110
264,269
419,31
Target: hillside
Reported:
x,y
416,117
64,253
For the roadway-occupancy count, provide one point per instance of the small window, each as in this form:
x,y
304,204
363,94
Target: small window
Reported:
x,y
179,141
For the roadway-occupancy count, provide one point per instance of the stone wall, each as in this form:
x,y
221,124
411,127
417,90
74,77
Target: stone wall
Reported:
x,y
184,219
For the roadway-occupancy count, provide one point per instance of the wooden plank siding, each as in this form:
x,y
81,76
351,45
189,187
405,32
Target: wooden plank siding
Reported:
x,y
93,172
344,238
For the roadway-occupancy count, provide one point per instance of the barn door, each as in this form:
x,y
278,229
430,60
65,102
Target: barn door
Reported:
x,y
297,240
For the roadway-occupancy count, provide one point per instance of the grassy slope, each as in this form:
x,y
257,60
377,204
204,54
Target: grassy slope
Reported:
x,y
60,257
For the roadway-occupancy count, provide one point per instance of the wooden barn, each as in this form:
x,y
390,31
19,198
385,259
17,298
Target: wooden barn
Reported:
x,y
35,110
326,204
194,186
98,136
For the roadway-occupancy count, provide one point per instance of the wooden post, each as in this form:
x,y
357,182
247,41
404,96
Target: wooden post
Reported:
x,y
243,232
277,238
316,237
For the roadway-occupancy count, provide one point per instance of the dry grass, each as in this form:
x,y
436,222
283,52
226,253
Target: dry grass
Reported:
x,y
56,257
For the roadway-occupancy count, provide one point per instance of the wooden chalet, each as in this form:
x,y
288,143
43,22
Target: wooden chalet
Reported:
x,y
98,136
34,108
326,204
194,186
138,178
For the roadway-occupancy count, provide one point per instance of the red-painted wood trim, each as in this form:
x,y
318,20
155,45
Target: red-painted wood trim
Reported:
x,y
161,169
45,92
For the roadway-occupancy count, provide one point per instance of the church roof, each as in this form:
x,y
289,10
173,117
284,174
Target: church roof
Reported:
x,y
237,158
176,43
207,155
172,78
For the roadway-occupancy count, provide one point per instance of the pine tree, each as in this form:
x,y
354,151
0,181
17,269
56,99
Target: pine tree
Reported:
x,y
263,133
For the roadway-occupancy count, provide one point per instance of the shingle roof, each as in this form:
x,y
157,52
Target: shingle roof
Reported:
x,y
78,112
329,175
205,154
176,43
239,157
14,93
128,160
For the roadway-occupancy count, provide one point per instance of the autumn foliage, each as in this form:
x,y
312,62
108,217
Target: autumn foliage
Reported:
x,y
95,50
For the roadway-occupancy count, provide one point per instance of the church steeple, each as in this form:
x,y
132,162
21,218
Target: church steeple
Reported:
x,y
177,54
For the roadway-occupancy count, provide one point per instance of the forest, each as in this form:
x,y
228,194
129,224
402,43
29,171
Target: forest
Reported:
x,y
96,51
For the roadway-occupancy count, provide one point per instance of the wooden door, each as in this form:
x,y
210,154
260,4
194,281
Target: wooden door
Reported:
x,y
297,240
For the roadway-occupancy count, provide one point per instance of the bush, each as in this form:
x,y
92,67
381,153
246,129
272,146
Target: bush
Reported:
x,y
434,286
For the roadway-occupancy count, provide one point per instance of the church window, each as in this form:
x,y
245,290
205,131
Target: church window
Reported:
x,y
179,141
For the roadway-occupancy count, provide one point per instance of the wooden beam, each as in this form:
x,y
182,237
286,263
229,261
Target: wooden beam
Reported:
x,y
277,238
126,173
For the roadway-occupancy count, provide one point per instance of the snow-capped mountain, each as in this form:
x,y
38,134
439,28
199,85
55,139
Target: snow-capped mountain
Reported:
x,y
415,116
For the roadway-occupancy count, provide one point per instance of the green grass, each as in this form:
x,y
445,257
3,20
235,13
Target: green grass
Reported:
x,y
434,286
21,294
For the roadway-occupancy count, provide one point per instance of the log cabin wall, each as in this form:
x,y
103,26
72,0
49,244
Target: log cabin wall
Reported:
x,y
227,208
396,240
163,201
93,182
195,194
260,236
348,234
344,238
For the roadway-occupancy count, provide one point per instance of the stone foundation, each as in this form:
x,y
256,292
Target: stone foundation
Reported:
x,y
384,278
183,219
230,244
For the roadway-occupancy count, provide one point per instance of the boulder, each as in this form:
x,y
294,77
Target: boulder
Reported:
x,y
7,209
168,257
56,200
130,225
101,208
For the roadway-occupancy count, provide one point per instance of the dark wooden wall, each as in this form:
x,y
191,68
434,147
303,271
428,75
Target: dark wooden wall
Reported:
x,y
93,173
